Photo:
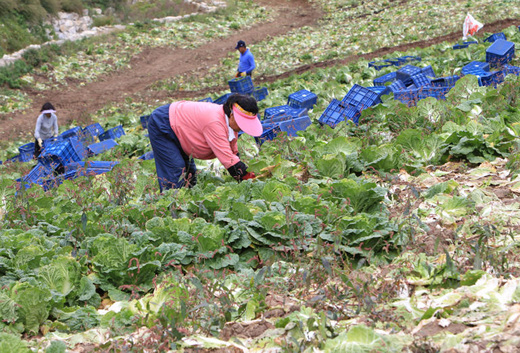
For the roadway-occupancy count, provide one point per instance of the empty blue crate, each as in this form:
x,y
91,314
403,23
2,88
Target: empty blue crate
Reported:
x,y
435,92
92,131
408,59
242,85
144,121
112,133
260,93
75,131
428,71
475,65
26,152
100,147
147,156
380,90
38,174
361,97
420,80
270,132
464,45
378,65
63,152
494,37
222,99
294,125
337,112
272,112
406,72
448,81
500,53
397,86
407,96
381,81
511,70
302,99
491,78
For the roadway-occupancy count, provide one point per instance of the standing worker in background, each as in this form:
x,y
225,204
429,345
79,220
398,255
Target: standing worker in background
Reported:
x,y
185,130
46,127
246,65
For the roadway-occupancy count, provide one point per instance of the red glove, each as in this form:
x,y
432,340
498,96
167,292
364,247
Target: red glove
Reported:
x,y
249,175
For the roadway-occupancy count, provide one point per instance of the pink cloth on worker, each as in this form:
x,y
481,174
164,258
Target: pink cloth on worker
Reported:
x,y
203,132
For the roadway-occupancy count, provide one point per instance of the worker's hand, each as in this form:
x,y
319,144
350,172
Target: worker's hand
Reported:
x,y
243,74
40,142
54,136
249,175
238,74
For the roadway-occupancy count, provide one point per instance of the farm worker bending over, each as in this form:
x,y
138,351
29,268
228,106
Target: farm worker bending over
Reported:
x,y
46,127
185,130
246,65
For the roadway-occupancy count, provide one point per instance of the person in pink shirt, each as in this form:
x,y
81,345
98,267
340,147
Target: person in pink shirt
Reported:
x,y
184,130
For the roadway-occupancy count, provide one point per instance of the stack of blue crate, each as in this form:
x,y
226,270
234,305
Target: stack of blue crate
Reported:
x,y
500,53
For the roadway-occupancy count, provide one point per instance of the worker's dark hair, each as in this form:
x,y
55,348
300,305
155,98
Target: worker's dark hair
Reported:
x,y
247,103
47,106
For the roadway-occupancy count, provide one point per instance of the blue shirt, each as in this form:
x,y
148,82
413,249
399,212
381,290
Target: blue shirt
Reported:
x,y
247,62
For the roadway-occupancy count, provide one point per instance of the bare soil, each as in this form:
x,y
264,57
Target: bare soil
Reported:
x,y
155,64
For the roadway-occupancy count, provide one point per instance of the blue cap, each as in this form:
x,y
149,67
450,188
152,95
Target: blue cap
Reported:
x,y
240,44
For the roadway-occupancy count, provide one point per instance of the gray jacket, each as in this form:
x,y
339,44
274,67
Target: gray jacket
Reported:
x,y
46,127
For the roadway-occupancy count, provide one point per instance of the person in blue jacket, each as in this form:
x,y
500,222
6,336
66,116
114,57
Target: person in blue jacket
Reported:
x,y
246,65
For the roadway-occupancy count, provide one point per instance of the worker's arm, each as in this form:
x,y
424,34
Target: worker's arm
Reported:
x,y
251,65
38,127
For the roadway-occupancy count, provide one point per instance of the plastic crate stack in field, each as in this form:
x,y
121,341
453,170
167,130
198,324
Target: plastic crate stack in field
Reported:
x,y
500,53
361,97
405,74
26,152
493,78
428,71
383,80
421,80
242,85
302,99
448,81
63,153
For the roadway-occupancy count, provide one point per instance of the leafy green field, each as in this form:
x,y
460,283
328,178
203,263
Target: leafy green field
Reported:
x,y
400,234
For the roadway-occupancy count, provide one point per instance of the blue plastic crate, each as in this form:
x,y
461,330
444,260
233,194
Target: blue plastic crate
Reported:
x,y
208,99
222,99
428,71
270,132
408,59
448,81
492,78
75,131
397,86
26,152
295,125
500,53
13,159
51,141
460,46
278,110
475,65
420,80
393,61
380,90
435,92
39,173
91,131
100,147
337,112
407,96
406,73
63,152
147,156
494,37
511,70
112,133
278,118
302,99
412,86
260,93
144,121
91,165
475,72
381,81
361,97
242,85
378,65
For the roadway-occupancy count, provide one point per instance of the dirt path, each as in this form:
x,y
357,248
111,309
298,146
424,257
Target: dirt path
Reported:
x,y
154,64
150,66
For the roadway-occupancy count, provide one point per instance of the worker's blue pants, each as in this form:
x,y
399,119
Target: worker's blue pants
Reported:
x,y
170,160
